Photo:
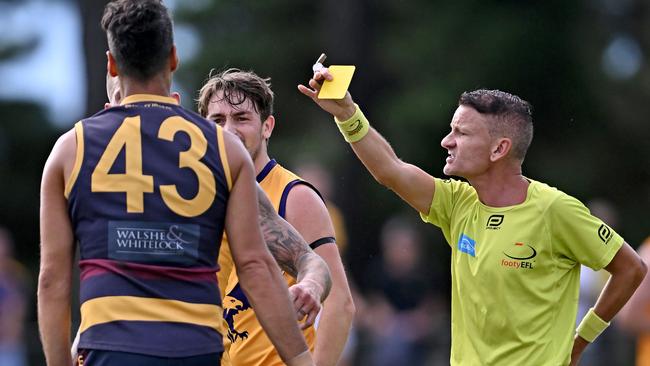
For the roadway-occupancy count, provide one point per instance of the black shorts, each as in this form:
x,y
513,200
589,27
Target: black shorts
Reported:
x,y
96,357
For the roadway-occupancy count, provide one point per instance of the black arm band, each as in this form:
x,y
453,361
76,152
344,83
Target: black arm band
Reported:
x,y
321,241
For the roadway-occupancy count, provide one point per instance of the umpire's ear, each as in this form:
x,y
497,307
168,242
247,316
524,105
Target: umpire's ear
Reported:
x,y
500,148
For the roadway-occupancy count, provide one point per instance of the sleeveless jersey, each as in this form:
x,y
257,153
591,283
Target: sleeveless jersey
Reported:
x,y
147,199
247,343
516,272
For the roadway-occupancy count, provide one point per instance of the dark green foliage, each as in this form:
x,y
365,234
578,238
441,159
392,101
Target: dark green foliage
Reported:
x,y
26,138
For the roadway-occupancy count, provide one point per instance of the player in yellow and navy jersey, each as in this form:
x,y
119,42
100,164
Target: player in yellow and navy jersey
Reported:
x,y
516,243
242,102
147,189
286,245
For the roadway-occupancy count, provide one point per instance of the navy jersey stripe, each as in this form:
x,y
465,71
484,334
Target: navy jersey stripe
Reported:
x,y
180,339
266,170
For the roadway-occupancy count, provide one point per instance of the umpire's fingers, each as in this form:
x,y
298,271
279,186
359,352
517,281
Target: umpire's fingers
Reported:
x,y
315,84
308,92
322,75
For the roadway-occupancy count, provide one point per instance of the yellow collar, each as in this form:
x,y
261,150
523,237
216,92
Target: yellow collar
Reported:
x,y
135,98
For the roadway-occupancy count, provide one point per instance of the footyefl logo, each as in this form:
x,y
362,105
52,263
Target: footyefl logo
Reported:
x,y
519,256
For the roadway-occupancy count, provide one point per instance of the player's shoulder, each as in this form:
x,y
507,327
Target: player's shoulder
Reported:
x,y
65,145
301,190
304,200
63,154
229,138
236,153
304,193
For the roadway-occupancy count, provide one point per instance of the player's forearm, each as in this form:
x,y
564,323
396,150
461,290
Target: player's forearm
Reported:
x,y
290,250
267,291
333,328
282,240
54,320
628,318
628,271
617,292
378,157
311,267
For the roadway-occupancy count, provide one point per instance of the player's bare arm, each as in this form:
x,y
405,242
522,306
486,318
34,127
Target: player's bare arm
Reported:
x,y
628,318
57,253
289,249
306,211
258,273
295,257
411,183
627,271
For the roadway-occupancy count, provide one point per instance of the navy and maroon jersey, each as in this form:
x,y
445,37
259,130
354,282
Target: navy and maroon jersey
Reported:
x,y
147,200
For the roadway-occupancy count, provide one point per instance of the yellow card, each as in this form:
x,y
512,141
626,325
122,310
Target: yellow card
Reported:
x,y
336,88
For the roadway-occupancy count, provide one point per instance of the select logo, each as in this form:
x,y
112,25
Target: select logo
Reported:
x,y
494,222
519,256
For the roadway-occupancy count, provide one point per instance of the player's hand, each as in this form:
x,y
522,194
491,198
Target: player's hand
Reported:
x,y
305,297
342,109
579,345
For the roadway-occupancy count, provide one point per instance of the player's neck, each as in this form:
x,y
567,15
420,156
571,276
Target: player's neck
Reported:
x,y
501,190
158,85
260,161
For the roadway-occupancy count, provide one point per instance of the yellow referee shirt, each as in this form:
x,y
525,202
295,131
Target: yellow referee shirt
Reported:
x,y
516,272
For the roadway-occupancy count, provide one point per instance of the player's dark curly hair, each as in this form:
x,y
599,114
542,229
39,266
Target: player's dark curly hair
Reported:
x,y
237,86
140,36
514,116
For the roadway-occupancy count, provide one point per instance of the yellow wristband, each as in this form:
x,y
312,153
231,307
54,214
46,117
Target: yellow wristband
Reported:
x,y
355,128
591,326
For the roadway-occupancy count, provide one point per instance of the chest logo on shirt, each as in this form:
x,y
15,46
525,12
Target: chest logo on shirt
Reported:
x,y
153,242
519,256
467,245
494,222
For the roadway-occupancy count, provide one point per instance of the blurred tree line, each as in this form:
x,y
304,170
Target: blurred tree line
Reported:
x,y
413,60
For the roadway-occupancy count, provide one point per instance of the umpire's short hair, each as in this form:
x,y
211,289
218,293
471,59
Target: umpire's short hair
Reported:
x,y
513,116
